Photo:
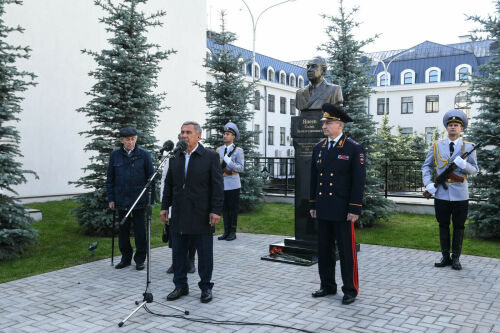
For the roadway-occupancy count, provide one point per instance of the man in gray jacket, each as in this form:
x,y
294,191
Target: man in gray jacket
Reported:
x,y
232,161
452,201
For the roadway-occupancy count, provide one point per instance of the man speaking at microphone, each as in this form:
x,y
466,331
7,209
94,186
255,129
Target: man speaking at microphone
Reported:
x,y
129,169
194,188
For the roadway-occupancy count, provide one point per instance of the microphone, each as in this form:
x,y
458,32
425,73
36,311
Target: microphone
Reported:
x,y
167,146
181,146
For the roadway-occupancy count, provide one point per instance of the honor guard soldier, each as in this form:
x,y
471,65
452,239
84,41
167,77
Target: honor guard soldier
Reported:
x,y
338,175
451,200
232,160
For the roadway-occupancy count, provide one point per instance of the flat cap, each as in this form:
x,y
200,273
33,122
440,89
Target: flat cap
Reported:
x,y
334,112
232,128
455,116
127,131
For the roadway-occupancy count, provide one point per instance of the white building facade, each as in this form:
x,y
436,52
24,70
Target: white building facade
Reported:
x,y
57,31
415,87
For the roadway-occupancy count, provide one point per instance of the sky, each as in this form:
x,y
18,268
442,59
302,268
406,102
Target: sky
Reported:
x,y
294,30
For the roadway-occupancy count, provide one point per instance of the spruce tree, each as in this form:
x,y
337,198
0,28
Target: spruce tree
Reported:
x,y
15,230
485,90
122,96
348,68
227,99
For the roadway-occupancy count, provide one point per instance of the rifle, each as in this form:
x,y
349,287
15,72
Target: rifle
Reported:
x,y
448,173
224,164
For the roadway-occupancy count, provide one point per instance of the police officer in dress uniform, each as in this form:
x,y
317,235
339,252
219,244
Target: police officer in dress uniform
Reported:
x,y
232,160
454,201
129,169
338,175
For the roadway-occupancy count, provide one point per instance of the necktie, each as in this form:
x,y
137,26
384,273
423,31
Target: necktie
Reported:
x,y
332,143
225,151
452,148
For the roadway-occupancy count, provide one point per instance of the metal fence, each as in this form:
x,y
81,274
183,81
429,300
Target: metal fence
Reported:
x,y
401,177
278,174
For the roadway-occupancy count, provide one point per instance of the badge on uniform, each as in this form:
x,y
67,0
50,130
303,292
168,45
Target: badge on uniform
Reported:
x,y
343,157
361,158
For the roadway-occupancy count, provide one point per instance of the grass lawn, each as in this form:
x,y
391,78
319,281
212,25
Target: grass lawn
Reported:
x,y
61,244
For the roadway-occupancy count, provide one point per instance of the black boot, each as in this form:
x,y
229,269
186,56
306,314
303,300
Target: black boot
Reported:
x,y
444,239
233,222
458,237
226,226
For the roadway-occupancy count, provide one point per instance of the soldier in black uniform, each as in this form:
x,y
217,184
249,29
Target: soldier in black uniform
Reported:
x,y
338,175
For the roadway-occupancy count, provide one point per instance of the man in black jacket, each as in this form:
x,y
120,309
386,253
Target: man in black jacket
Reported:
x,y
194,188
129,169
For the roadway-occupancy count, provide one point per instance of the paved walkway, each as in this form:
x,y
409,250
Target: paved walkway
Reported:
x,y
400,291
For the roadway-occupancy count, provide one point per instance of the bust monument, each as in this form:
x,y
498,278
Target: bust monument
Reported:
x,y
318,91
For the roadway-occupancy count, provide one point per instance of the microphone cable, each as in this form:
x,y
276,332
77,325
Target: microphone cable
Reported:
x,y
205,320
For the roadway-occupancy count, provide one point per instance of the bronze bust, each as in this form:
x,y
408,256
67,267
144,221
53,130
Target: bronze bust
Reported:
x,y
318,91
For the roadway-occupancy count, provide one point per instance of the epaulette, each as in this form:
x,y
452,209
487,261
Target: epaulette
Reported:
x,y
471,143
239,148
322,141
352,141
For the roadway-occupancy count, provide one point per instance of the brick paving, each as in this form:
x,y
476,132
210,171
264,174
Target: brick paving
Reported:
x,y
400,291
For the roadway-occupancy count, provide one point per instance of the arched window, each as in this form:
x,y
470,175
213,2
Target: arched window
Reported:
x,y
282,77
243,66
462,72
257,71
462,102
270,74
433,74
301,81
208,55
382,80
408,76
292,80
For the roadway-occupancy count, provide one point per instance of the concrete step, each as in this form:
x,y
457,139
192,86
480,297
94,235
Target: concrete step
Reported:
x,y
35,214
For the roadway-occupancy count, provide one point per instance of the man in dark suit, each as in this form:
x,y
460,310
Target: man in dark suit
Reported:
x,y
194,188
338,175
318,91
129,169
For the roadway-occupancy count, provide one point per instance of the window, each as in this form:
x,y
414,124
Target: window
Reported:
x,y
381,106
257,134
406,130
382,80
270,103
256,100
283,105
301,82
432,103
429,134
292,106
257,71
432,74
282,77
270,135
243,66
292,80
408,76
282,136
462,72
270,74
406,105
462,102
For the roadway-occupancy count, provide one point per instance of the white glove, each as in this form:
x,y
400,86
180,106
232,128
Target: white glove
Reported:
x,y
460,162
431,188
227,159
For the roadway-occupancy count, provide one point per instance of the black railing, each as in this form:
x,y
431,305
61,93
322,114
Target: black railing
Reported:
x,y
278,174
403,178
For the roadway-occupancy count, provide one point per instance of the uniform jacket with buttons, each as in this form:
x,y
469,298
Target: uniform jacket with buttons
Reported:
x,y
196,194
439,158
126,177
337,179
232,182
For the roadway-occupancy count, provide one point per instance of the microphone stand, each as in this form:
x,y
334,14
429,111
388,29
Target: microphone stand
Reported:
x,y
148,295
